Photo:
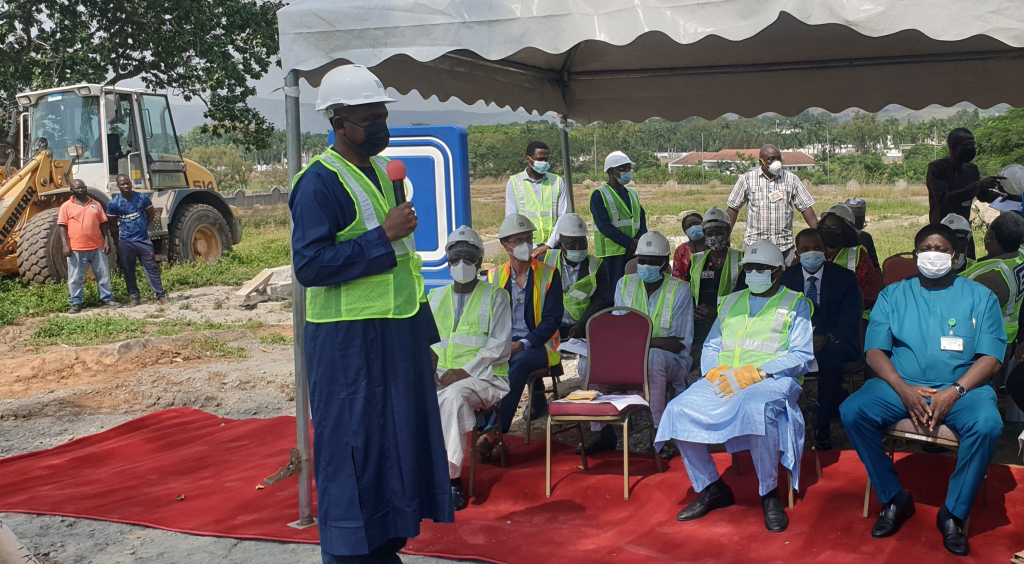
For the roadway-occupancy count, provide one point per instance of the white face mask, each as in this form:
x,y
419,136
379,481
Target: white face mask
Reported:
x,y
523,251
775,168
463,271
933,264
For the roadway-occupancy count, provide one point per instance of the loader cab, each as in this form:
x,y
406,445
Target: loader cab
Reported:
x,y
115,130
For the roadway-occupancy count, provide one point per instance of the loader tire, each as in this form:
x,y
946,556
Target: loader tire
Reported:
x,y
199,233
40,258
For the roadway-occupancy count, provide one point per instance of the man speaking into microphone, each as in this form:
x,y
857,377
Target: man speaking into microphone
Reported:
x,y
378,450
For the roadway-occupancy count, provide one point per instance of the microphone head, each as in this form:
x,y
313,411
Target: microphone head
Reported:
x,y
396,170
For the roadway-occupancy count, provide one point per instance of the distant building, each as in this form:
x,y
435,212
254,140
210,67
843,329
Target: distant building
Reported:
x,y
791,160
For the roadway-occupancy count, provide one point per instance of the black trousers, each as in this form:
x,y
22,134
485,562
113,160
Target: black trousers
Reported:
x,y
831,359
1015,385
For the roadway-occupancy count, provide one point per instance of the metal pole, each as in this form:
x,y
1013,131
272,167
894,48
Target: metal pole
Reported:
x,y
563,124
702,165
302,422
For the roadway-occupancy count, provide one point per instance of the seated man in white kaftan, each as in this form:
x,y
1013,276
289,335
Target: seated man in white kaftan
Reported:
x,y
761,343
475,323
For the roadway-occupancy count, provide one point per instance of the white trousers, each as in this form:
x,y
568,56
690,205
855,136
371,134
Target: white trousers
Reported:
x,y
458,403
663,368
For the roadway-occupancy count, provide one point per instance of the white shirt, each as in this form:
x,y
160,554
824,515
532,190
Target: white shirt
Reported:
x,y
499,336
563,201
682,312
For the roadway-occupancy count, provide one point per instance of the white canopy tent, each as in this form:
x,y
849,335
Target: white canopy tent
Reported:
x,y
613,60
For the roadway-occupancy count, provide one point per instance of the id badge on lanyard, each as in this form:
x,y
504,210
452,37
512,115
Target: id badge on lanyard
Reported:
x,y
951,343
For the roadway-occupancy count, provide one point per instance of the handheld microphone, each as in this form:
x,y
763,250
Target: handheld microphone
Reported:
x,y
396,174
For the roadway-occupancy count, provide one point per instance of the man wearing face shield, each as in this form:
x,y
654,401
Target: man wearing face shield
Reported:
x,y
535,292
378,450
954,181
964,238
715,273
585,287
667,300
475,323
618,217
749,399
770,194
538,194
935,340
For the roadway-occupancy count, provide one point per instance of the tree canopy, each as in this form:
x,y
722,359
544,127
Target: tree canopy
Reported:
x,y
206,49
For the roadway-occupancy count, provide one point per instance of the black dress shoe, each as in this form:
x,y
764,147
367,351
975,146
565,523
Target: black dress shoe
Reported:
x,y
459,500
539,410
952,529
605,440
893,515
715,496
823,439
775,519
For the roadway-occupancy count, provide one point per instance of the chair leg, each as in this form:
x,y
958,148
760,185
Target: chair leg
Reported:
x,y
583,453
529,411
984,496
735,464
547,463
501,437
817,463
625,458
791,504
472,458
867,497
554,387
657,457
967,524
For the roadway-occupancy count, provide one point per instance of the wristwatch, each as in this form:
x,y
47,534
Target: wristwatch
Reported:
x,y
959,389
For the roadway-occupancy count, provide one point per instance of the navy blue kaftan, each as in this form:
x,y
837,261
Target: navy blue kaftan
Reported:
x,y
378,452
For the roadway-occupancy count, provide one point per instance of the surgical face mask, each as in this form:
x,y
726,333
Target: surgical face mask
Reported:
x,y
522,252
716,242
625,178
540,166
759,282
463,271
960,260
648,273
933,264
576,256
695,232
377,138
812,260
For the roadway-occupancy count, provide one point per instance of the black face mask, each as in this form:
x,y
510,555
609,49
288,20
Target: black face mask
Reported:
x,y
831,240
377,138
967,154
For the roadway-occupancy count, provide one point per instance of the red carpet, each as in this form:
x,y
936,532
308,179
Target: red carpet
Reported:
x,y
134,473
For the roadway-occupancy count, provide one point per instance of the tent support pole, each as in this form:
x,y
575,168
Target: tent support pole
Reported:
x,y
302,420
563,125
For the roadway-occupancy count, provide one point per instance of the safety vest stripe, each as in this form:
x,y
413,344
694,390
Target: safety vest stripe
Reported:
x,y
734,268
517,185
630,290
468,340
668,298
402,246
485,309
780,318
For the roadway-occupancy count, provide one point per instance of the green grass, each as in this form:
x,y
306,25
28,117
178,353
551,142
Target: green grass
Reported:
x,y
209,346
100,330
276,339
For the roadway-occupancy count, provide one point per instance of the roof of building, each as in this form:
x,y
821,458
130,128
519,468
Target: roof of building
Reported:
x,y
788,157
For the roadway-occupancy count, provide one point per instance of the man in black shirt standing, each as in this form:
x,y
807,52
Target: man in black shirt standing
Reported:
x,y
954,182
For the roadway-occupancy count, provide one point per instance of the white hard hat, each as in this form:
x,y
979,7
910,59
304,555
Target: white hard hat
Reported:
x,y
515,223
956,222
572,225
715,216
1014,183
466,234
653,244
614,159
844,212
763,252
350,85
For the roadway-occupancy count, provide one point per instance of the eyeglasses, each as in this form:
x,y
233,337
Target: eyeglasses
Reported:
x,y
748,268
968,145
830,228
520,240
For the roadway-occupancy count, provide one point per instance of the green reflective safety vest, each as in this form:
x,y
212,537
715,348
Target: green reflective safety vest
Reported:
x,y
848,257
758,339
460,344
634,294
726,284
543,213
1012,270
542,277
576,298
395,293
625,220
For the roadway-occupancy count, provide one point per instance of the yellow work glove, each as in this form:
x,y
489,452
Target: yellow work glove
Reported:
x,y
733,380
715,374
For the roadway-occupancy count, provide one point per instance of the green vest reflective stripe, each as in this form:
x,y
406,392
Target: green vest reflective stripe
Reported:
x,y
542,277
576,298
626,220
543,213
726,284
758,339
395,293
634,294
1008,268
848,257
460,345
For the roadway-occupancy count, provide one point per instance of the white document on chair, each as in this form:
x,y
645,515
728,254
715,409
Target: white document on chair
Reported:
x,y
575,346
621,401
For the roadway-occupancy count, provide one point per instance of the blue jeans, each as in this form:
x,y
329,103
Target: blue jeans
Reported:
x,y
78,263
130,251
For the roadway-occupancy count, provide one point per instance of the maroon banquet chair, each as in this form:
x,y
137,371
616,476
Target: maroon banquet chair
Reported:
x,y
897,267
618,341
